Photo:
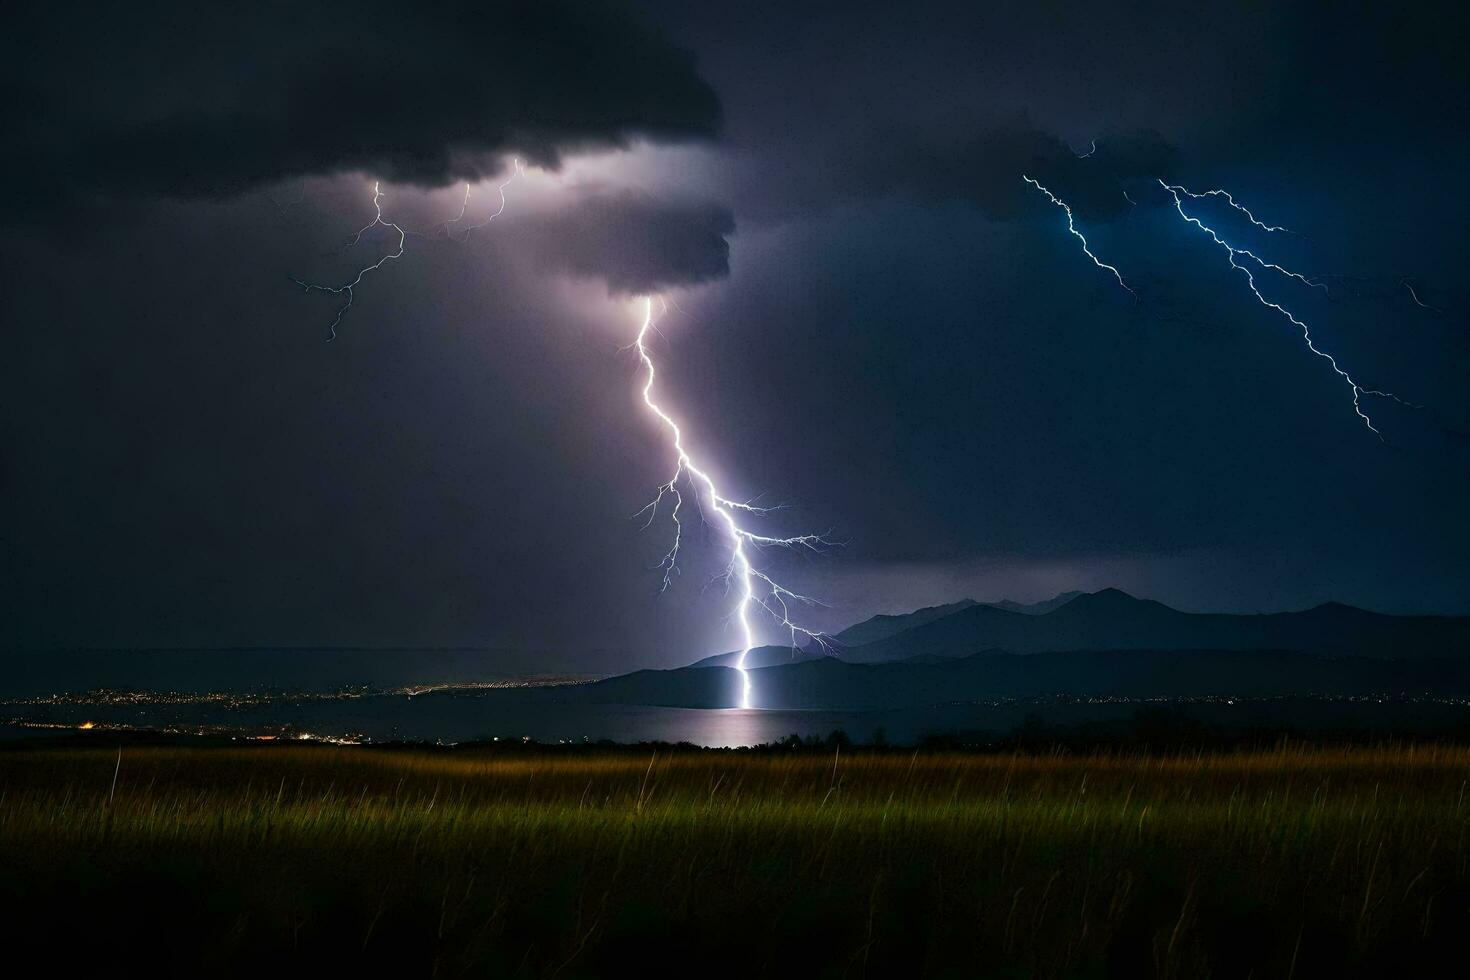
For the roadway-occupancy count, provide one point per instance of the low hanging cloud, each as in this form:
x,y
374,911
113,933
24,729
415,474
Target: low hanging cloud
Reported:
x,y
634,242
200,99
983,167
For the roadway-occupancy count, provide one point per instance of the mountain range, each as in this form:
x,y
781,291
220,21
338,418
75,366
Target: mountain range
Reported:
x,y
1103,644
1114,620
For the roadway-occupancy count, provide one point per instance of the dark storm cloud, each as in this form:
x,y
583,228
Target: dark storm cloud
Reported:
x,y
855,101
181,98
983,167
182,460
635,243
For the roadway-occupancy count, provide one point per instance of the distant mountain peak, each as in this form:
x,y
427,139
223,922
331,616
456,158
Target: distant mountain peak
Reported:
x,y
884,625
1112,599
1333,606
1113,620
1035,608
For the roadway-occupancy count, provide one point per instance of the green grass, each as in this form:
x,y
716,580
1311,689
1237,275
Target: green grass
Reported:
x,y
1300,863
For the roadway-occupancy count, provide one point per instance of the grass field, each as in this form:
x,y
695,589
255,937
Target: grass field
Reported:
x,y
222,861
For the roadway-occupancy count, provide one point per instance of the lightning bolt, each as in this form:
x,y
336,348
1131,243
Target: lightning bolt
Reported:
x,y
1232,252
1236,205
1072,227
1176,190
349,288
516,171
754,587
464,205
1417,301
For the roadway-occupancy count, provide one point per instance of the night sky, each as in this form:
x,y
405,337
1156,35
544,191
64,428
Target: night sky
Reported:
x,y
877,321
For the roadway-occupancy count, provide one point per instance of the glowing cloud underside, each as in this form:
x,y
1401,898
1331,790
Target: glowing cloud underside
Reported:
x,y
1232,253
753,587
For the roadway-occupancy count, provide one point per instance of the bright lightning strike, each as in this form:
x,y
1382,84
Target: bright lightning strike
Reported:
x,y
1176,190
1232,253
1237,206
754,587
1072,227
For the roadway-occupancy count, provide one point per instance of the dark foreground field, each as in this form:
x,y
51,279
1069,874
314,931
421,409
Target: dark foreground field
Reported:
x,y
222,861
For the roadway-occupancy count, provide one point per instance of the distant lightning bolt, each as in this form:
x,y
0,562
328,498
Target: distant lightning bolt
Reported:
x,y
464,205
1072,227
1083,156
515,171
1232,253
754,587
1237,206
1417,301
348,289
1304,280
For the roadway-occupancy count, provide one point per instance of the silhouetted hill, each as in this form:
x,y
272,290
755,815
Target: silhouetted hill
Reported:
x,y
876,628
687,687
1114,620
831,683
770,656
883,626
1036,608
